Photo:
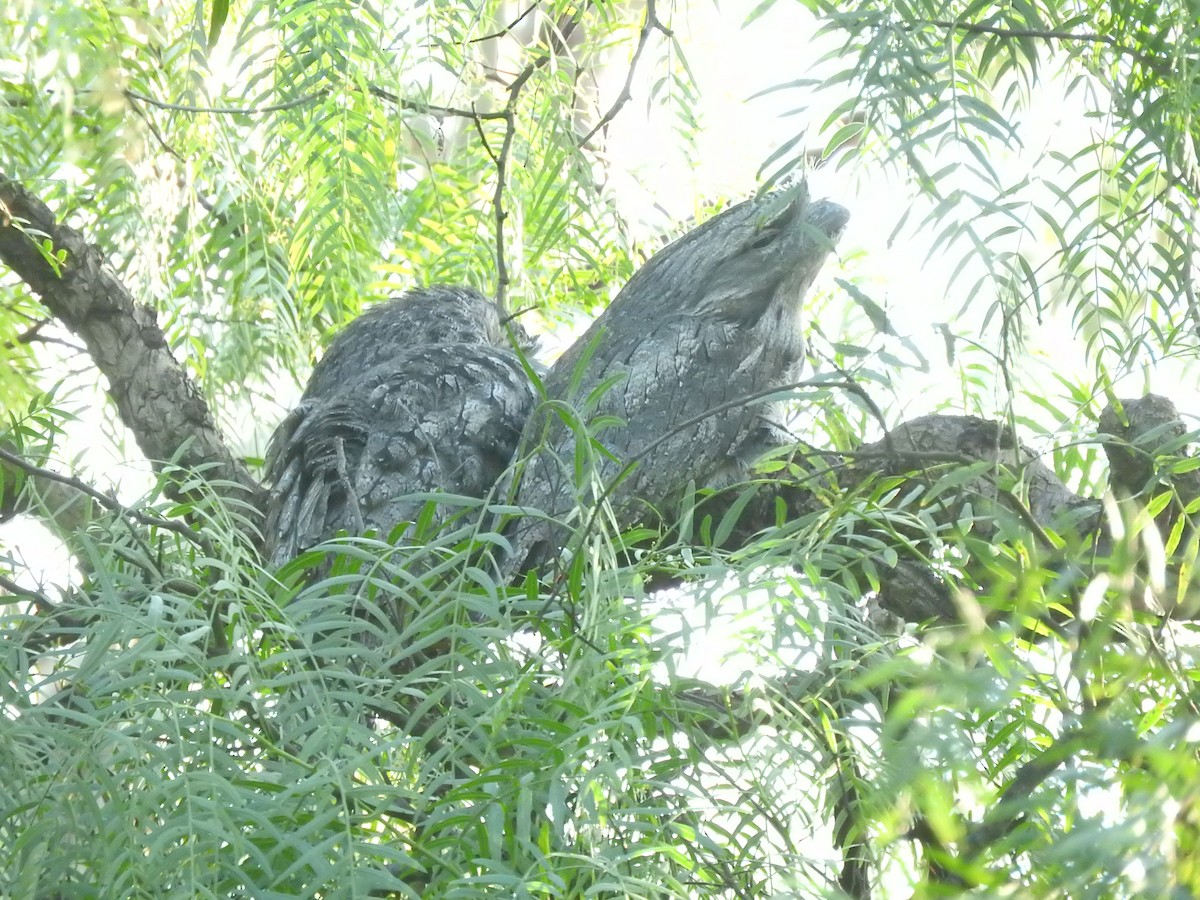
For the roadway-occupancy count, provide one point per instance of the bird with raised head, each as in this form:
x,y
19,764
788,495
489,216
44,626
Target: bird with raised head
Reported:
x,y
671,378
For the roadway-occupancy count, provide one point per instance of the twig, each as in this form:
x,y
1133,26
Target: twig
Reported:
x,y
40,600
507,29
649,25
131,94
1050,34
105,500
487,148
508,114
33,335
501,160
417,106
30,334
39,638
381,93
208,206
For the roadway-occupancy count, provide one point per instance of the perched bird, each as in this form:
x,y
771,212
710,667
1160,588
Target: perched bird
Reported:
x,y
439,314
671,377
423,393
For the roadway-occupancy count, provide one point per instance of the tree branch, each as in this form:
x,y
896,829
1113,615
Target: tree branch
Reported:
x,y
63,508
78,492
39,600
508,114
381,93
1095,735
227,110
155,397
507,29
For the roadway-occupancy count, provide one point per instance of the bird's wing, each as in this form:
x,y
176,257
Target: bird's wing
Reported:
x,y
446,418
311,461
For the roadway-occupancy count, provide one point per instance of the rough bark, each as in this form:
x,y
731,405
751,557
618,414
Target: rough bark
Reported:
x,y
670,384
153,394
1144,439
928,443
1012,481
1141,435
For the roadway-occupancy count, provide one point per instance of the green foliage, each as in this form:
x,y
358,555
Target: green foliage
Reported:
x,y
448,738
250,192
180,722
1099,220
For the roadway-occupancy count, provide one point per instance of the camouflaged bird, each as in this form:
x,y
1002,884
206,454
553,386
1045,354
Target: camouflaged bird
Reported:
x,y
423,393
671,377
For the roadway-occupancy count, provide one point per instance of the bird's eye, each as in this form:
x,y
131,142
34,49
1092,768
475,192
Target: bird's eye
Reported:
x,y
765,238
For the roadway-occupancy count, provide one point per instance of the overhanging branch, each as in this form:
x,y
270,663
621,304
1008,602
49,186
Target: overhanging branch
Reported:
x,y
155,397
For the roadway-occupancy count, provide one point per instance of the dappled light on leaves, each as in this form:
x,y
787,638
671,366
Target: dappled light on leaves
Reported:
x,y
850,553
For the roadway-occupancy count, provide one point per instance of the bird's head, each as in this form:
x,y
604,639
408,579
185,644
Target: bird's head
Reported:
x,y
752,261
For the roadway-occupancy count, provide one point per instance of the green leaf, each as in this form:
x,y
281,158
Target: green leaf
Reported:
x,y
217,18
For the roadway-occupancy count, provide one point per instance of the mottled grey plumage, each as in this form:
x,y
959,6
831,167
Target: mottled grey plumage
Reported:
x,y
423,393
440,314
712,319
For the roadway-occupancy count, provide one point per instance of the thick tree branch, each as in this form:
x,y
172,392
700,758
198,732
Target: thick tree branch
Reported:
x,y
1139,432
929,445
154,396
1144,439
